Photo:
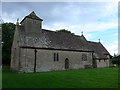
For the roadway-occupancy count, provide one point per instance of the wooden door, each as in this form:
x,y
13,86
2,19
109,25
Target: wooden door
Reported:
x,y
66,63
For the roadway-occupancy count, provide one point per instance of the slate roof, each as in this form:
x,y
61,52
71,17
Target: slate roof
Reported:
x,y
99,49
54,40
33,16
60,41
63,41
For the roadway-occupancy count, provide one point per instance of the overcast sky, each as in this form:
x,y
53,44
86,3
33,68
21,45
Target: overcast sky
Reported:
x,y
95,19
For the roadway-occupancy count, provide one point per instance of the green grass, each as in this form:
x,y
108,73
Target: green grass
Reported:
x,y
83,78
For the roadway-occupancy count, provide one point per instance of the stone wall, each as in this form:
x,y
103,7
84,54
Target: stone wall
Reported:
x,y
15,53
32,26
102,63
45,60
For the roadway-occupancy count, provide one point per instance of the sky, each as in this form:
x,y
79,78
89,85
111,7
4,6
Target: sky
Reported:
x,y
97,20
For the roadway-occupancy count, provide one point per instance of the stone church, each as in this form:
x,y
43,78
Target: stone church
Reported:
x,y
39,50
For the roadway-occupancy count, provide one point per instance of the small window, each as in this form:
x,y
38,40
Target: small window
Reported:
x,y
84,57
56,57
99,60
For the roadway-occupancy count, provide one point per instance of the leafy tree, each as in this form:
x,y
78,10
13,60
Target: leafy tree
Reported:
x,y
116,60
65,31
7,39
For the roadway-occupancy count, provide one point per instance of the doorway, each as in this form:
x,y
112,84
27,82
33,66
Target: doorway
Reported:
x,y
66,63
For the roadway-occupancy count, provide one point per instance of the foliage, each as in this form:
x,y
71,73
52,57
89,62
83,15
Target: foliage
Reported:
x,y
65,31
111,56
116,60
83,78
7,39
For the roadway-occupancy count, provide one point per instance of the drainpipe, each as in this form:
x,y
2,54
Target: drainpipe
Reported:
x,y
35,61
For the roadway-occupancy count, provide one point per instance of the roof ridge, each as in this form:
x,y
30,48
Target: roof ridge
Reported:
x,y
62,33
93,42
32,13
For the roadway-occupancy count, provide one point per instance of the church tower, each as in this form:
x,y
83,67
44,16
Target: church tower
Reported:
x,y
32,24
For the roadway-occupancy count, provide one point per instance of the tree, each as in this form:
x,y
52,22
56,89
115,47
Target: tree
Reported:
x,y
116,60
7,39
65,31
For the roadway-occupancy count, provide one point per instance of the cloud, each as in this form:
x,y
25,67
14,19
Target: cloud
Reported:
x,y
88,36
67,12
99,26
88,17
113,48
110,9
84,27
13,15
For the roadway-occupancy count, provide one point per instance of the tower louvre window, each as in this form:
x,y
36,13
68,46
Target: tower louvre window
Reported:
x,y
34,22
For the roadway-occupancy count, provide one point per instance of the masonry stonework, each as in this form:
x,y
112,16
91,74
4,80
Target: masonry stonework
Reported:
x,y
45,60
39,50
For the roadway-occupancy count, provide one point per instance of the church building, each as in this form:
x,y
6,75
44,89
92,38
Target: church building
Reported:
x,y
39,50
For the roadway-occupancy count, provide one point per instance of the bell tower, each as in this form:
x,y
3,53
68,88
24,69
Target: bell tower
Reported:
x,y
32,24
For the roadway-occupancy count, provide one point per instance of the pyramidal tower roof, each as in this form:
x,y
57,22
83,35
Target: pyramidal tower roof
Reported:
x,y
32,15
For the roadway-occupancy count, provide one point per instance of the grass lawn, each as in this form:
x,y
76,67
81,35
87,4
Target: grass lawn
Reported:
x,y
83,78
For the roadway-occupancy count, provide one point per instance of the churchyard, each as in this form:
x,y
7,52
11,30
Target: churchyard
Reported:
x,y
83,78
